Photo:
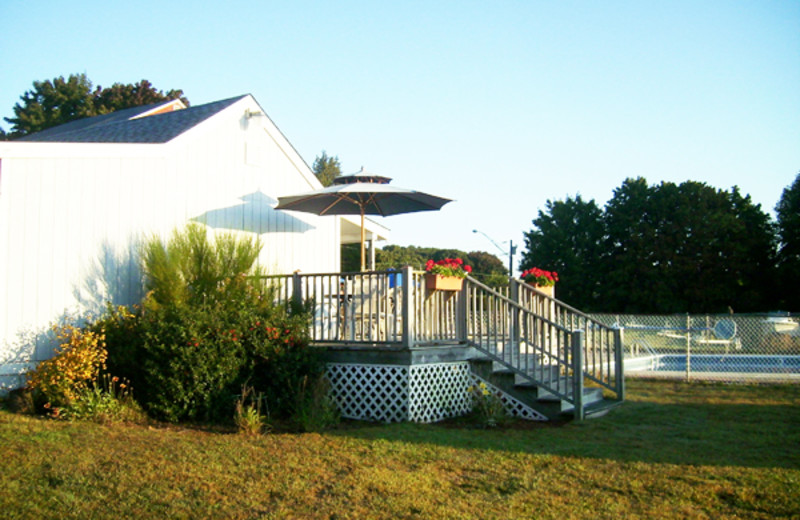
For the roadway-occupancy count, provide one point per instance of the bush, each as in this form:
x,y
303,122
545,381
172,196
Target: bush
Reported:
x,y
20,400
488,406
108,401
249,418
204,329
77,362
316,411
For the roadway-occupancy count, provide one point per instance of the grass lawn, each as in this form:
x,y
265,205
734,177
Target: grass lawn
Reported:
x,y
674,450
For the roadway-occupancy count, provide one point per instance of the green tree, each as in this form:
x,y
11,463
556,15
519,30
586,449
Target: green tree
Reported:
x,y
58,101
326,168
52,103
120,96
567,238
685,248
788,229
487,268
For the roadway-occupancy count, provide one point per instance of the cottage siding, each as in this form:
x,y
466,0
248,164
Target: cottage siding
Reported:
x,y
71,218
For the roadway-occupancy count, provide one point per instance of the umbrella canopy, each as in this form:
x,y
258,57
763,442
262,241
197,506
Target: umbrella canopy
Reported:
x,y
372,197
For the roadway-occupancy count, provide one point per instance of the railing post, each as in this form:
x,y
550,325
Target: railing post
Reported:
x,y
577,374
513,295
619,367
461,312
297,289
408,307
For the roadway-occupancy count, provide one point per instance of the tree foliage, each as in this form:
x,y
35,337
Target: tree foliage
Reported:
x,y
486,268
567,238
327,168
120,96
788,229
58,101
664,248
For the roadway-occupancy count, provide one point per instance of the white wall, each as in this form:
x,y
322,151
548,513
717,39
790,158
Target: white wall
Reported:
x,y
71,216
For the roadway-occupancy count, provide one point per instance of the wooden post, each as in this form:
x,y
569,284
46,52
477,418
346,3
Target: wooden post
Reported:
x,y
619,368
461,312
408,307
513,295
297,289
577,374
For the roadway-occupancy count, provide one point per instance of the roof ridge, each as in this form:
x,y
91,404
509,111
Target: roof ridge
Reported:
x,y
118,127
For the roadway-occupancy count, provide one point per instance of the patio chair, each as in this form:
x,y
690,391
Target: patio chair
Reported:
x,y
369,312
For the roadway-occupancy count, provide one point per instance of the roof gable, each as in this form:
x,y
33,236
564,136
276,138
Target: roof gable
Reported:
x,y
133,125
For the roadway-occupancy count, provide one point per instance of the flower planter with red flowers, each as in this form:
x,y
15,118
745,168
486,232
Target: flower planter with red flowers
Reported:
x,y
446,275
541,280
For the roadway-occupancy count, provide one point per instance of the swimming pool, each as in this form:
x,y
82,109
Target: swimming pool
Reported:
x,y
715,363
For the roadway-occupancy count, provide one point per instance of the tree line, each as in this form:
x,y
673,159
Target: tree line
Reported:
x,y
671,248
58,101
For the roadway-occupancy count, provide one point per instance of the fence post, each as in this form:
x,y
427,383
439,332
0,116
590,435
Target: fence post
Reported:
x,y
297,289
408,307
688,347
577,374
619,368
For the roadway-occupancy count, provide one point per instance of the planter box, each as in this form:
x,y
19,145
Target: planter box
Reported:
x,y
549,290
435,282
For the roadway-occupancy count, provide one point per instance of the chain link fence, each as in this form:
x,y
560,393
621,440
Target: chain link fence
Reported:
x,y
745,348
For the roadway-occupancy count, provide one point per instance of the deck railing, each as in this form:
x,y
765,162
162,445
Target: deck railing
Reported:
x,y
550,343
602,355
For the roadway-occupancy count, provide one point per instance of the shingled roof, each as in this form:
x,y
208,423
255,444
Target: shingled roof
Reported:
x,y
123,127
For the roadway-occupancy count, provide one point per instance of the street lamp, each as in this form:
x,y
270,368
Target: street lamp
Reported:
x,y
512,249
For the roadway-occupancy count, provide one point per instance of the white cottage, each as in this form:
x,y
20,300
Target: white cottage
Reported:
x,y
76,199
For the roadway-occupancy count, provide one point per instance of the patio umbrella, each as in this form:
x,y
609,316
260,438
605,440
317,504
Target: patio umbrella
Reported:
x,y
361,194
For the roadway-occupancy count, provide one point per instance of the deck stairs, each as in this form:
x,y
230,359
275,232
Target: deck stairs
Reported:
x,y
545,354
533,392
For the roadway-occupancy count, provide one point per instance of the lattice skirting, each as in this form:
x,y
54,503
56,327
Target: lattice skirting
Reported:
x,y
419,393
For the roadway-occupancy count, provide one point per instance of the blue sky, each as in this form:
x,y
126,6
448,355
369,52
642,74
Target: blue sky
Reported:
x,y
498,105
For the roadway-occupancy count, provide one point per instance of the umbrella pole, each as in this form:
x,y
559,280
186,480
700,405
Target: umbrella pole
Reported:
x,y
363,255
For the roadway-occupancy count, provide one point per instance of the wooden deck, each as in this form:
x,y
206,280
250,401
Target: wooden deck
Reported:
x,y
392,318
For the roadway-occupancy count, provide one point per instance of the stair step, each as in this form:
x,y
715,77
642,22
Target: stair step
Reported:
x,y
600,408
530,388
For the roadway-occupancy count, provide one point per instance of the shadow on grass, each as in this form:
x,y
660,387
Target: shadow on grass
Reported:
x,y
746,435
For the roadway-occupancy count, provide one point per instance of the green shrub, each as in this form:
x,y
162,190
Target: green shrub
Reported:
x,y
122,329
205,328
20,400
108,400
316,411
192,269
488,406
248,417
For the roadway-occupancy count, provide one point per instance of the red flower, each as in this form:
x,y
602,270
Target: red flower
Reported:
x,y
448,267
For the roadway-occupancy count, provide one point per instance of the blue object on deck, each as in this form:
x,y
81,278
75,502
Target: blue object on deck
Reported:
x,y
395,279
